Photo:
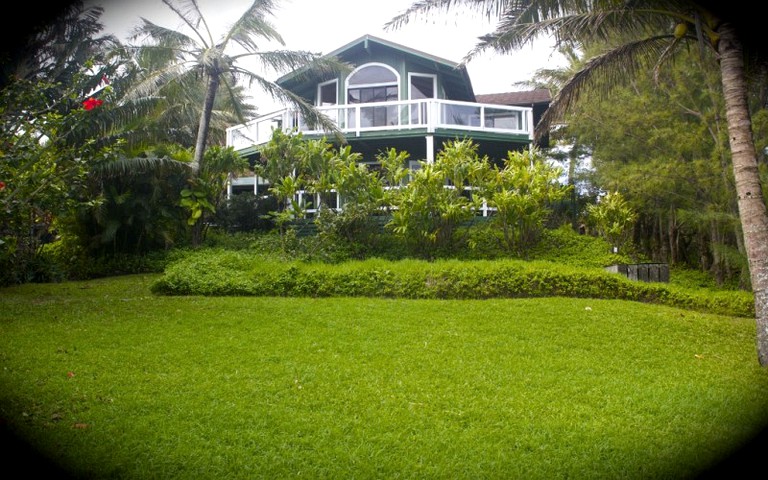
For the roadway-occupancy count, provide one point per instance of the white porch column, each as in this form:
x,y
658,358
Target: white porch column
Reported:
x,y
430,149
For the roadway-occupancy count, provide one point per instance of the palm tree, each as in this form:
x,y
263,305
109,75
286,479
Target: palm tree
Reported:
x,y
653,29
181,57
172,114
56,49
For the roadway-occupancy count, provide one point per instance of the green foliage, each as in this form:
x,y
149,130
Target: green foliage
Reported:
x,y
565,246
760,133
612,218
522,192
279,163
43,170
436,211
66,260
245,213
279,158
138,209
430,208
356,227
196,201
676,175
206,190
318,171
220,272
431,212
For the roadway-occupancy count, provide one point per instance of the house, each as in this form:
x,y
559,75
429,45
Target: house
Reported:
x,y
398,97
538,100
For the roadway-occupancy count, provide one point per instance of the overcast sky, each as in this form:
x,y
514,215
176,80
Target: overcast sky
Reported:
x,y
322,26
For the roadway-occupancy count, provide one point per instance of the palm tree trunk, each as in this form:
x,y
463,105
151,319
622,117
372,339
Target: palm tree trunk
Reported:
x,y
752,210
205,120
198,229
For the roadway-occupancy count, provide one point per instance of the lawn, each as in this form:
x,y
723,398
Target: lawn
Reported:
x,y
107,380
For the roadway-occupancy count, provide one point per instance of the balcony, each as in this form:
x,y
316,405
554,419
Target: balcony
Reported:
x,y
427,116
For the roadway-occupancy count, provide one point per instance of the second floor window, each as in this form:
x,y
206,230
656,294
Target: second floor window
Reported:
x,y
373,83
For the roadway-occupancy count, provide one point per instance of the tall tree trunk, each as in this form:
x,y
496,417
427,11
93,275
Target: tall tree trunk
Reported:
x,y
573,158
704,246
198,229
673,240
717,260
205,120
752,210
663,241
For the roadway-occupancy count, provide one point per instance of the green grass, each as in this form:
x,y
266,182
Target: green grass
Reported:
x,y
110,381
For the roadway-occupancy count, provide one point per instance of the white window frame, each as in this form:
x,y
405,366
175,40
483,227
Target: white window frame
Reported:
x,y
429,75
368,85
320,88
420,114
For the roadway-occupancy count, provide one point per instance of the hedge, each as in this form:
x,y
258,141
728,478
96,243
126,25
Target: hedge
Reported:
x,y
226,273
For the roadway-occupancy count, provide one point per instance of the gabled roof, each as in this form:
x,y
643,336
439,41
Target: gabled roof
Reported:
x,y
365,41
455,77
522,99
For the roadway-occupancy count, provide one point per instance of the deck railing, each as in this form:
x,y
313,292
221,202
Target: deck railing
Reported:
x,y
427,114
309,202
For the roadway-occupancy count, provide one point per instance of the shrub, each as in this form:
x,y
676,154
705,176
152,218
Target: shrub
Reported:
x,y
219,272
566,246
246,213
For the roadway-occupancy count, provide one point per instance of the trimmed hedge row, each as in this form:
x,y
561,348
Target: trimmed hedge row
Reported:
x,y
222,273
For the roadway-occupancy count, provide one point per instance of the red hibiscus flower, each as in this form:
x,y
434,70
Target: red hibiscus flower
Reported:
x,y
2,185
92,103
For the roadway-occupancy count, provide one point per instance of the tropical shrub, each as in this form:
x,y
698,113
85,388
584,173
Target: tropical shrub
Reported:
x,y
245,213
44,167
429,210
612,217
522,192
357,225
135,204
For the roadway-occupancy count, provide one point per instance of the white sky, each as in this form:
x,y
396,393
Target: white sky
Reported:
x,y
322,26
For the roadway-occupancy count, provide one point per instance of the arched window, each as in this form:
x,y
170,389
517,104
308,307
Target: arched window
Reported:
x,y
374,83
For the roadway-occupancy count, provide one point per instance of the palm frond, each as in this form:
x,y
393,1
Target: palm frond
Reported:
x,y
509,39
304,66
153,81
309,113
233,94
161,37
189,12
426,9
600,74
137,165
569,24
253,24
55,51
668,52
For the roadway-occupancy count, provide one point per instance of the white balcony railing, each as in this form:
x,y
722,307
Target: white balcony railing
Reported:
x,y
428,114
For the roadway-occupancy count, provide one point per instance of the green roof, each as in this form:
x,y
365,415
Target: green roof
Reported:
x,y
455,77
